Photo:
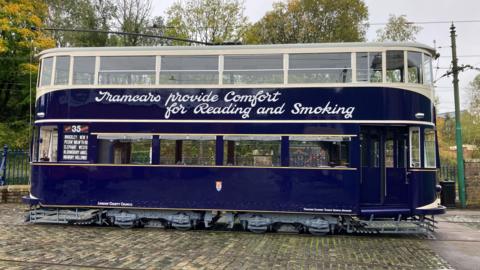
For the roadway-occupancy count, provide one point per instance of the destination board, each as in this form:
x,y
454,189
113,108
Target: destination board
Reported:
x,y
75,143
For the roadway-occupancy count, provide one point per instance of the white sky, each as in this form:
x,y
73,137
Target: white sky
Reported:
x,y
468,41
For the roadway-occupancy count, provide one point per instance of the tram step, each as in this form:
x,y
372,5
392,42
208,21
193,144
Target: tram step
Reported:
x,y
395,227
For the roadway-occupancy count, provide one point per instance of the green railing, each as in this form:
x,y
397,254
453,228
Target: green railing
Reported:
x,y
14,167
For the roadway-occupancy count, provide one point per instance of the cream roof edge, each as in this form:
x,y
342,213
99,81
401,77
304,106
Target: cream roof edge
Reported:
x,y
159,49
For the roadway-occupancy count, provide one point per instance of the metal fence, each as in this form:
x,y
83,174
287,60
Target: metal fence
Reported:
x,y
14,167
447,173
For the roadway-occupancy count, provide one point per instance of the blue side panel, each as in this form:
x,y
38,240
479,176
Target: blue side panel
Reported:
x,y
423,187
260,189
347,103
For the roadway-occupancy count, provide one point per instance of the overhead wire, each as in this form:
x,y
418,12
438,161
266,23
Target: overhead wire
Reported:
x,y
431,22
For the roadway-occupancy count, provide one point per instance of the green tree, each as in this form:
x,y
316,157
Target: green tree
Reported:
x,y
18,43
80,14
398,29
213,21
132,16
474,92
310,21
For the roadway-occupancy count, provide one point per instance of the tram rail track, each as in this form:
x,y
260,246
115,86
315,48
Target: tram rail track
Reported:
x,y
62,264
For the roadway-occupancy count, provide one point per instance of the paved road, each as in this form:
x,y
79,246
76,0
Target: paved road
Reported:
x,y
458,239
26,246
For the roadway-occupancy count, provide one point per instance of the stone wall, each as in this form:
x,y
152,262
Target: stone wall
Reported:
x,y
472,183
14,193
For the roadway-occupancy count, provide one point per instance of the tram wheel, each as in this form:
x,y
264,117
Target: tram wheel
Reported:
x,y
182,227
258,230
317,232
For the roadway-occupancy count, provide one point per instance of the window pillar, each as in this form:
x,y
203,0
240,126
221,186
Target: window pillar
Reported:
x,y
155,149
285,152
219,151
422,148
230,152
178,151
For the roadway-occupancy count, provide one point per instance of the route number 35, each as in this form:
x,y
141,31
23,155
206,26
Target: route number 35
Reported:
x,y
76,128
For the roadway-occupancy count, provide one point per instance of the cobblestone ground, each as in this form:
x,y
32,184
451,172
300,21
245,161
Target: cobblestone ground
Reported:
x,y
26,246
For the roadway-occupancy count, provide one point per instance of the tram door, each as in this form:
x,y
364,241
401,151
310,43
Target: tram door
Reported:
x,y
384,166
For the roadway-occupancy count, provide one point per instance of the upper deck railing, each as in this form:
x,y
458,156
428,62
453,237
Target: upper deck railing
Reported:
x,y
403,65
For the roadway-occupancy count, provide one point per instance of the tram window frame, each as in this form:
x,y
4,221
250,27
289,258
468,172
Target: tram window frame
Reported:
x,y
389,155
195,67
335,148
35,143
83,71
414,67
173,150
253,69
427,70
258,157
127,70
430,155
47,153
46,73
374,74
395,66
415,163
62,70
120,149
320,67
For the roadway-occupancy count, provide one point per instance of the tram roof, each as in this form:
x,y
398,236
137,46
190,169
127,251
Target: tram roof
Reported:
x,y
343,45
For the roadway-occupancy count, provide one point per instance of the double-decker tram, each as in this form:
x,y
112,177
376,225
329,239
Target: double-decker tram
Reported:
x,y
320,137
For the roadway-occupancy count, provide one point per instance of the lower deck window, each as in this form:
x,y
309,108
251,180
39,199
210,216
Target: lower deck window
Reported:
x,y
187,150
430,154
128,149
414,147
318,151
259,151
47,144
310,151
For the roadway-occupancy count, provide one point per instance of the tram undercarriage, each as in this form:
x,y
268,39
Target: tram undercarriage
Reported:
x,y
316,224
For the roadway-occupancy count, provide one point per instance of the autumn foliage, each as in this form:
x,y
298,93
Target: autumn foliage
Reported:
x,y
19,40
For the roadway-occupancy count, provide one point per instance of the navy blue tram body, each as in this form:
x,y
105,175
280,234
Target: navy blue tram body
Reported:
x,y
286,188
335,149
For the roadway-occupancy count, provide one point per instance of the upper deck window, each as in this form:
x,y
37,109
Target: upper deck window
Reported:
x,y
62,70
127,70
189,69
320,68
46,76
395,66
369,67
415,69
253,69
83,69
427,69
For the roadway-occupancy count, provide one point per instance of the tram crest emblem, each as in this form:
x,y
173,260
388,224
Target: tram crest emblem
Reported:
x,y
218,185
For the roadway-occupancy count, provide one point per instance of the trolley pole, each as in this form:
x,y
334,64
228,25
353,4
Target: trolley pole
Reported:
x,y
458,125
